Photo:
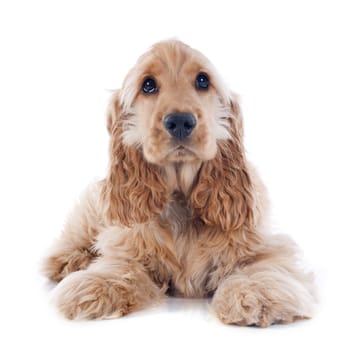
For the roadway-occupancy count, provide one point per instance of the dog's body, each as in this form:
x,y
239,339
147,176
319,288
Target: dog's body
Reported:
x,y
181,211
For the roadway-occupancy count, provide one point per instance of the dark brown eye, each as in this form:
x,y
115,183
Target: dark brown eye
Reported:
x,y
149,86
202,82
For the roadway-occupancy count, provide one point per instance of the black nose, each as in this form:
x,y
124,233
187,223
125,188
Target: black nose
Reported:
x,y
179,125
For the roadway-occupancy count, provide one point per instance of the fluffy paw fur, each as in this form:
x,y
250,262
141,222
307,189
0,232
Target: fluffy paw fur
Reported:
x,y
60,264
93,295
262,299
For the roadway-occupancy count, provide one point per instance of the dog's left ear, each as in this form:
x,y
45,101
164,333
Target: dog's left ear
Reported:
x,y
223,194
134,190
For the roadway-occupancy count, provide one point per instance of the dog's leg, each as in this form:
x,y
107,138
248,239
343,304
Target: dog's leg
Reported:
x,y
74,250
109,288
272,290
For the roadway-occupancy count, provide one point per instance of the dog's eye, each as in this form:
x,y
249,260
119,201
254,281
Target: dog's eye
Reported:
x,y
149,86
202,82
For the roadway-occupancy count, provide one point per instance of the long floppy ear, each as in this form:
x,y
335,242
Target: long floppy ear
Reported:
x,y
223,194
134,190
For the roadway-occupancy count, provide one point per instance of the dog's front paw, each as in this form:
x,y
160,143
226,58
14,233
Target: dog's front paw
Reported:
x,y
87,295
63,262
261,301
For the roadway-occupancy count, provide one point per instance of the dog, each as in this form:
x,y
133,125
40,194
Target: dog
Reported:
x,y
181,211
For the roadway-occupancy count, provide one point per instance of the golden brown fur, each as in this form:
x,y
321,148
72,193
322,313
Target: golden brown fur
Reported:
x,y
187,220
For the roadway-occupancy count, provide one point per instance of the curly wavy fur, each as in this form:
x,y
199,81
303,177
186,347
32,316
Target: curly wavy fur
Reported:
x,y
185,218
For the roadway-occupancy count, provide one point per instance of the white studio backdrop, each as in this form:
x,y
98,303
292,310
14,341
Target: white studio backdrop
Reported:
x,y
59,60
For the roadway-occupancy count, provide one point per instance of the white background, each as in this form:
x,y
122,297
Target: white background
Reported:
x,y
289,61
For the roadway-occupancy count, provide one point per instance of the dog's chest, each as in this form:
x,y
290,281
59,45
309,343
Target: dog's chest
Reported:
x,y
191,250
177,215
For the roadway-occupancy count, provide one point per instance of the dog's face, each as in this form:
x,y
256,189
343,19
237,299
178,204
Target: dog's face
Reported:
x,y
175,127
174,106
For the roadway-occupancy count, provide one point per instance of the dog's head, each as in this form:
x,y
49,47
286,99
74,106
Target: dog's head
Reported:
x,y
175,126
175,107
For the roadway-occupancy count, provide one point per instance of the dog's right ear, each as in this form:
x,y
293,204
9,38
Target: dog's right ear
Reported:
x,y
113,111
134,190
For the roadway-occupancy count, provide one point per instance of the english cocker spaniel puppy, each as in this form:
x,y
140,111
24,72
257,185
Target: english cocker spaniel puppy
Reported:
x,y
181,211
